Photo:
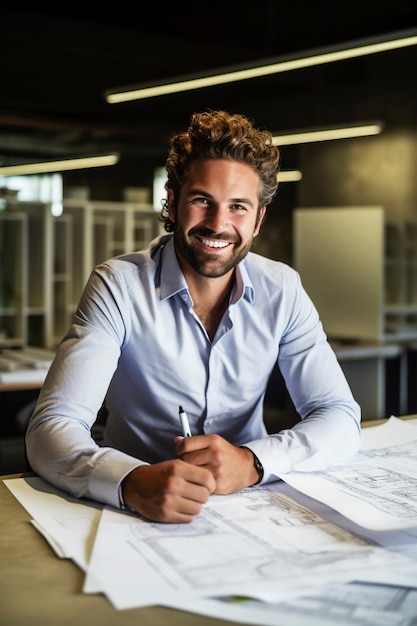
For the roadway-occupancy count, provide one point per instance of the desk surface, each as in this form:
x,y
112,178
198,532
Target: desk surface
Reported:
x,y
39,589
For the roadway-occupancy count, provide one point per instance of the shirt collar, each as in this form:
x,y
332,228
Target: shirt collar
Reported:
x,y
172,278
173,281
244,287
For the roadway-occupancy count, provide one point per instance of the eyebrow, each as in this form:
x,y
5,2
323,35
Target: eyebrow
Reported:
x,y
201,192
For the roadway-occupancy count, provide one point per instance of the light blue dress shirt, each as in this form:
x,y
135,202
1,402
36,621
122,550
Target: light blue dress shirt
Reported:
x,y
136,342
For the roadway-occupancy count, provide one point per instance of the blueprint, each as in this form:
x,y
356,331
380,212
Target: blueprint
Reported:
x,y
377,488
349,604
330,552
254,543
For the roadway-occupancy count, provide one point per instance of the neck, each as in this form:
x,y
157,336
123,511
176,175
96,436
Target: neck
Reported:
x,y
211,298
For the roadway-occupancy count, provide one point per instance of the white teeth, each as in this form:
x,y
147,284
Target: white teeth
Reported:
x,y
215,243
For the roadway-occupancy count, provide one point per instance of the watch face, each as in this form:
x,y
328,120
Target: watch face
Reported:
x,y
257,462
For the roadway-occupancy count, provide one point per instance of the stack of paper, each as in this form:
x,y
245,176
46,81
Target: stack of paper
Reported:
x,y
343,542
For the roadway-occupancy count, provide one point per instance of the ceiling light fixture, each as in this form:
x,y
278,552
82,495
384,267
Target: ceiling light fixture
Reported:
x,y
59,166
289,176
328,134
349,50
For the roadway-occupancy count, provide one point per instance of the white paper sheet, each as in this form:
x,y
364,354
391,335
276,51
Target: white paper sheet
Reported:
x,y
70,525
377,488
349,604
254,543
403,541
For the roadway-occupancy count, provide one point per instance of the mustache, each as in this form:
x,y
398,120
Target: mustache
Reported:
x,y
198,231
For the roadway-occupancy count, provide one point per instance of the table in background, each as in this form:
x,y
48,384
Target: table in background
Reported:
x,y
365,368
22,373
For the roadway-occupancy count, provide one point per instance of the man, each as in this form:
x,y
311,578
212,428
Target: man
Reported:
x,y
196,320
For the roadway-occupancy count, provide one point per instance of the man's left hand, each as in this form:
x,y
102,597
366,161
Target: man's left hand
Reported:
x,y
232,467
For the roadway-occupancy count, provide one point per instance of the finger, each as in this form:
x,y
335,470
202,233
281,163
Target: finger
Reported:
x,y
200,477
180,504
212,455
182,477
188,444
171,513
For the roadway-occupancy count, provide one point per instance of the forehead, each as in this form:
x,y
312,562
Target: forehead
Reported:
x,y
223,173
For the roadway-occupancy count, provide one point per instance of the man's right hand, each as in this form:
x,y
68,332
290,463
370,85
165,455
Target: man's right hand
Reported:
x,y
170,491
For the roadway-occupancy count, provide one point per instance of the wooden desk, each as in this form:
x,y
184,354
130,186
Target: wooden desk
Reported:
x,y
39,589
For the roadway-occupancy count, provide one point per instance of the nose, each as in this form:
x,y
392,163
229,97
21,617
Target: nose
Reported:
x,y
216,217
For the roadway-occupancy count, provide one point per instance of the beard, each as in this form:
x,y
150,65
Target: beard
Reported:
x,y
205,263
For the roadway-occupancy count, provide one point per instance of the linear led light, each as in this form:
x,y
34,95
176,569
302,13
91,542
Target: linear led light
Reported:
x,y
349,50
310,136
289,176
59,166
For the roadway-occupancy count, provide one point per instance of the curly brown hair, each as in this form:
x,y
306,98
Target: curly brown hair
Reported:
x,y
221,135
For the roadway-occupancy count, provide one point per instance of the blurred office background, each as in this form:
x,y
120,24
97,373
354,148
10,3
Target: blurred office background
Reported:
x,y
60,62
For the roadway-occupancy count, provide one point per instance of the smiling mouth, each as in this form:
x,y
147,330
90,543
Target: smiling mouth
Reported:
x,y
214,243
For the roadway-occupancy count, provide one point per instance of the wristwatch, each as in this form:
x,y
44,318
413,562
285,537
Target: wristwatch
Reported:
x,y
259,468
257,465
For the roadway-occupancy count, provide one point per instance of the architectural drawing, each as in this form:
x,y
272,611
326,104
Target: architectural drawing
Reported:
x,y
256,542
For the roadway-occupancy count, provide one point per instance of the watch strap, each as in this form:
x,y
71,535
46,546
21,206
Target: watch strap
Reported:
x,y
257,465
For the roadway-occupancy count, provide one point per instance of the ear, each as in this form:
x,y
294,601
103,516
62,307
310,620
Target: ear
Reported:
x,y
259,220
171,205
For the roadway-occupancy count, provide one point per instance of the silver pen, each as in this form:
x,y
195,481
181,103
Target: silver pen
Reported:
x,y
184,422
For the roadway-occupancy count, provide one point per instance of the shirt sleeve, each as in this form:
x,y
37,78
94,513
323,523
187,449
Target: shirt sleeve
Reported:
x,y
59,444
329,430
